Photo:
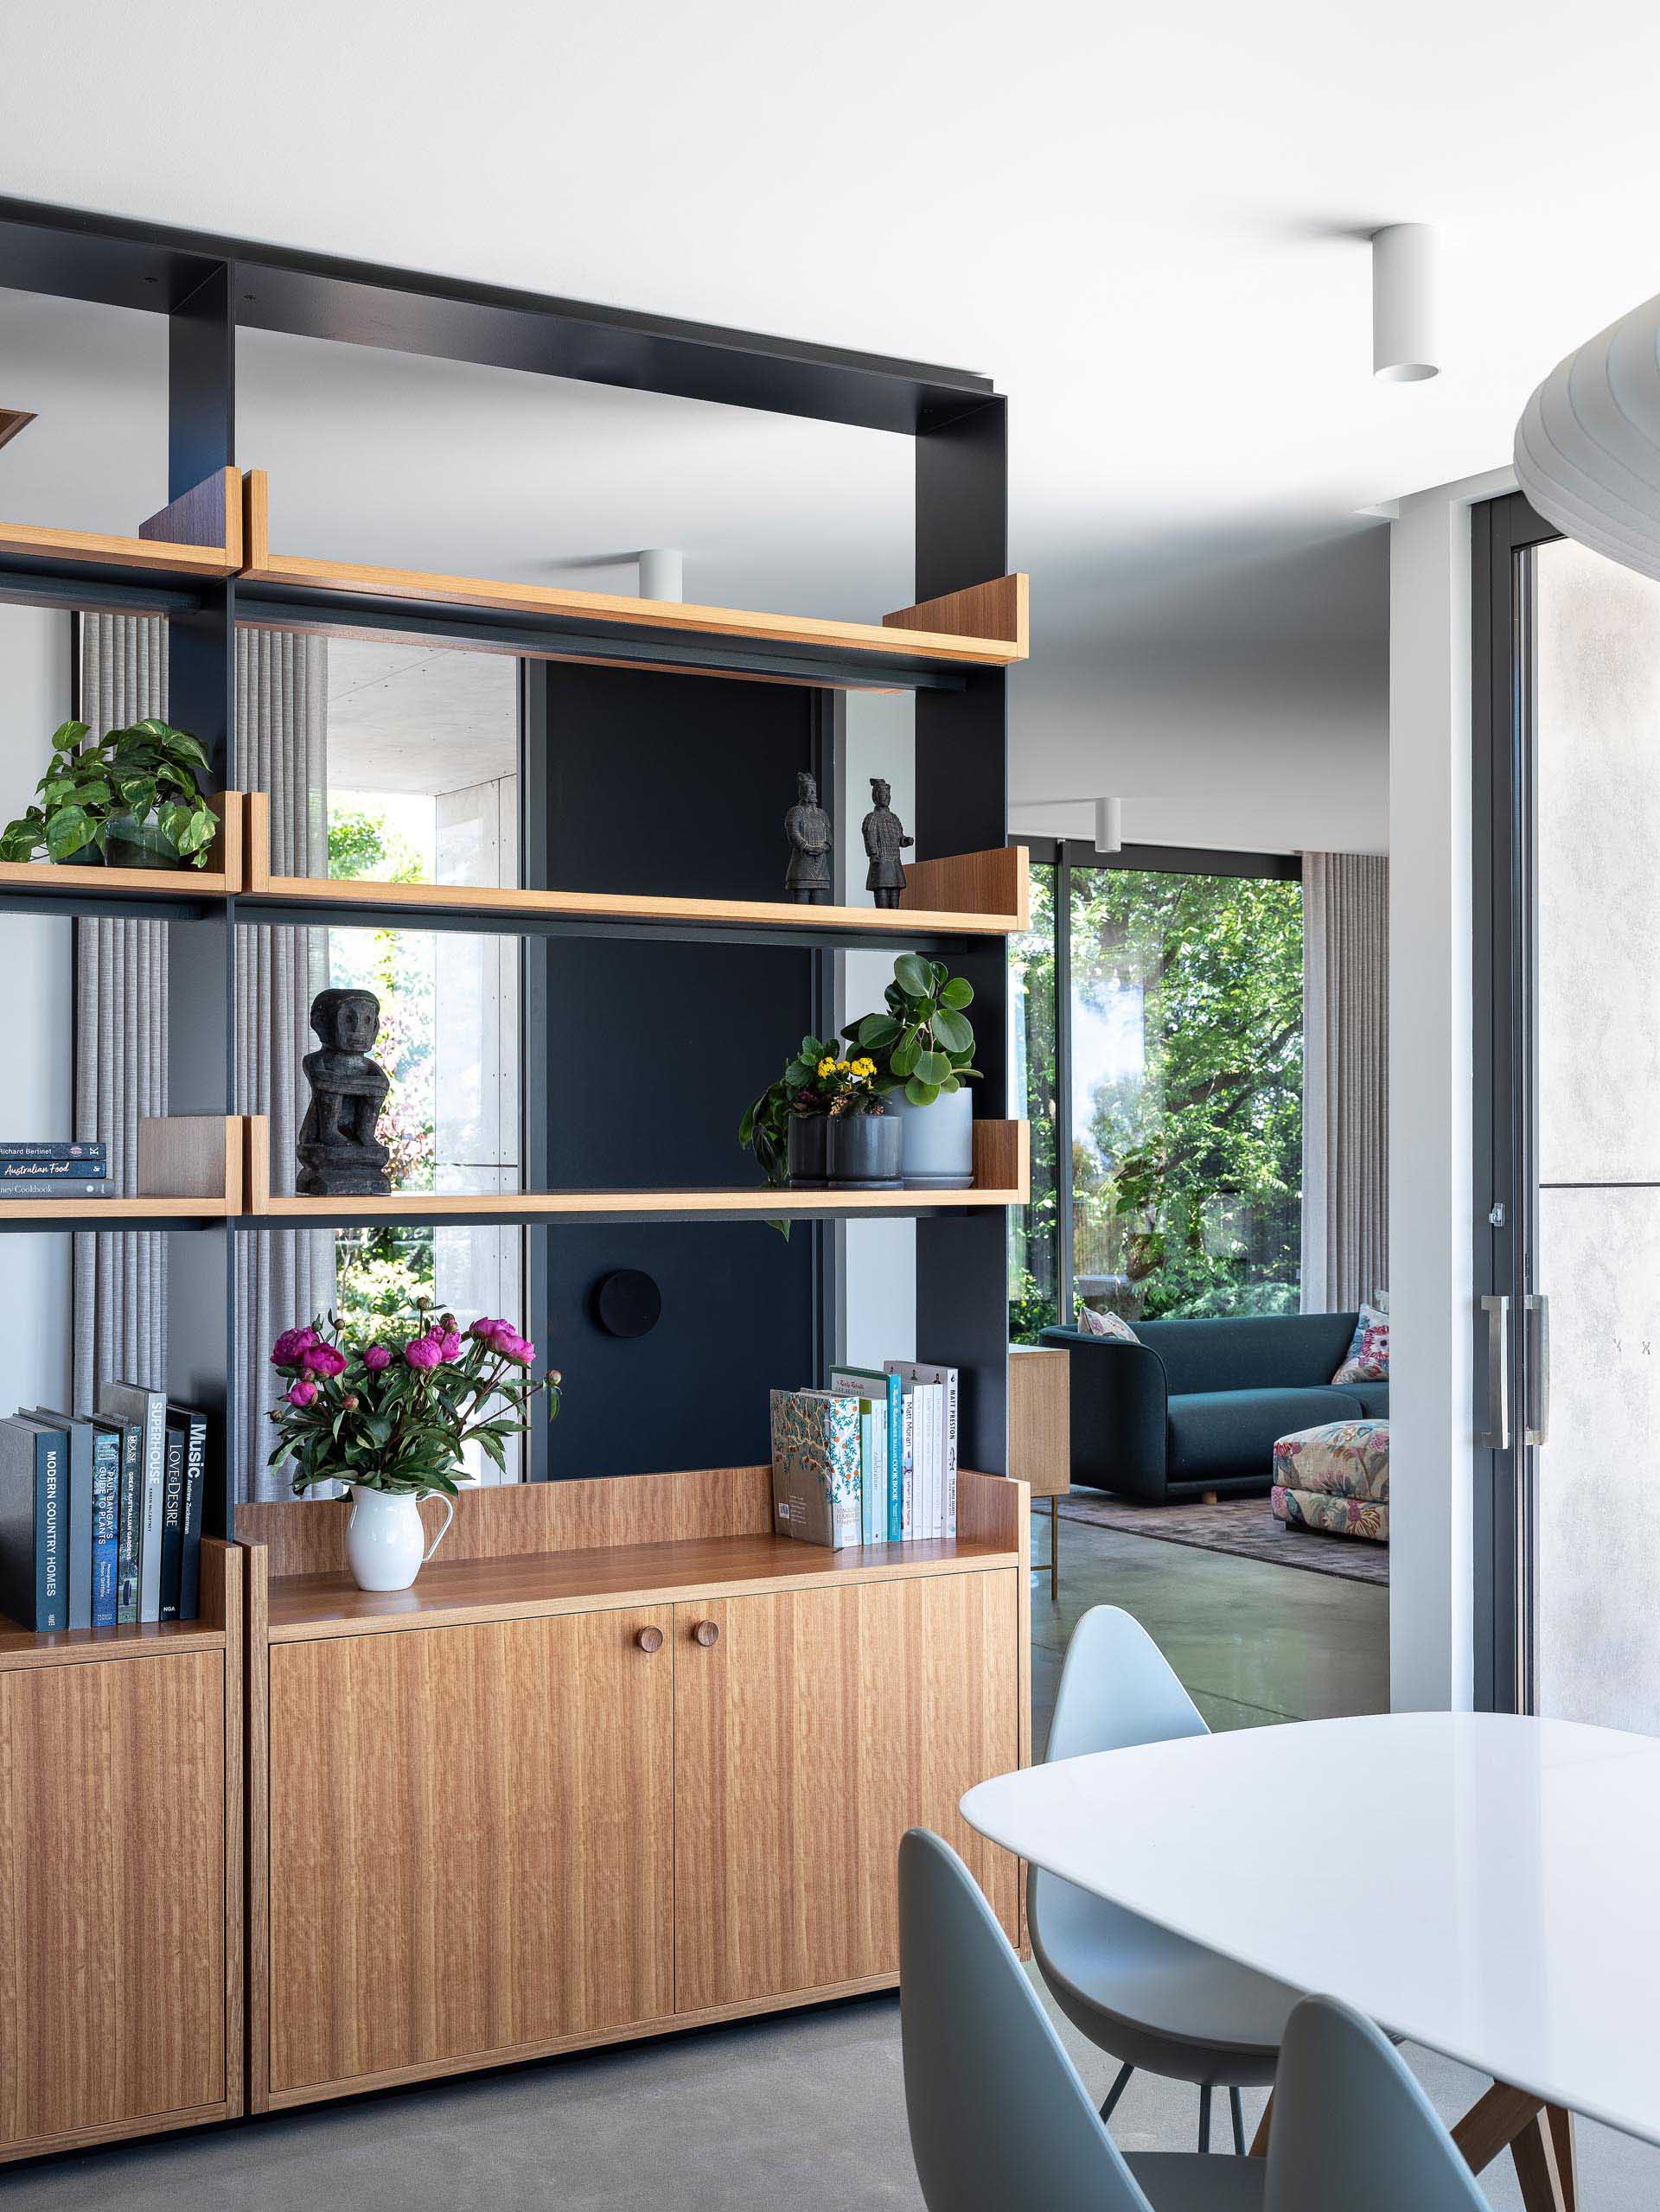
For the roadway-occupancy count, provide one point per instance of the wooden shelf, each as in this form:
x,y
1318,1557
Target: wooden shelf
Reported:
x,y
972,893
198,535
68,1647
190,1167
984,626
1002,1166
221,876
465,1591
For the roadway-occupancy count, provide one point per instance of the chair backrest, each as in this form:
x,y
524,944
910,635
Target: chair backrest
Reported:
x,y
1351,2126
999,2117
1117,1688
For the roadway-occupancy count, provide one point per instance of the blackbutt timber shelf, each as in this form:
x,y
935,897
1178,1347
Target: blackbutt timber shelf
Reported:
x,y
1002,1170
971,895
190,1167
197,536
222,874
986,626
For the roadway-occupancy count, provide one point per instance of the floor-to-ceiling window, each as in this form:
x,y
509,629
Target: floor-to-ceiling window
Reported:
x,y
1158,1007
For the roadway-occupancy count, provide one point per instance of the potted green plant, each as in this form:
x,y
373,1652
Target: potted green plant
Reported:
x,y
923,1046
132,799
785,1127
389,1420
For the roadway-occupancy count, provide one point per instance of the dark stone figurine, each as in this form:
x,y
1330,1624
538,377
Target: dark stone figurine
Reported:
x,y
340,1157
884,840
806,826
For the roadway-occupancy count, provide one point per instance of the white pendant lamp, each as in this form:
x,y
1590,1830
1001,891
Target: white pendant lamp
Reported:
x,y
1109,825
660,573
1405,344
1587,447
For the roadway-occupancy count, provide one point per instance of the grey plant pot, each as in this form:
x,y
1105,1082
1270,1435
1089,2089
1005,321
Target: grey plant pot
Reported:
x,y
938,1152
864,1151
806,1144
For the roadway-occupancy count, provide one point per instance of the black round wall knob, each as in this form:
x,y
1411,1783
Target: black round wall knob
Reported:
x,y
628,1302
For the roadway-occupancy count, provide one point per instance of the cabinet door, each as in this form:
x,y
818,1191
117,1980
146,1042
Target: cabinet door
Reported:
x,y
111,1892
812,1731
469,1841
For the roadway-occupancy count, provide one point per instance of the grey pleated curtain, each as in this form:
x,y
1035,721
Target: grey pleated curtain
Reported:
x,y
284,1277
121,990
1345,1080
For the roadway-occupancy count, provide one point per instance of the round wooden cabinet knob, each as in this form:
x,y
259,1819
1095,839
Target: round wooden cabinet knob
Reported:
x,y
648,1639
706,1633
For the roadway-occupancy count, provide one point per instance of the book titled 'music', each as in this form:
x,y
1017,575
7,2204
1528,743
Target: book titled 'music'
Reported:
x,y
100,1514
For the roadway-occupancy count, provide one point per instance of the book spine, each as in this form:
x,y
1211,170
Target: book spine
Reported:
x,y
91,1156
953,1391
195,1472
908,1516
150,1542
106,1512
51,1544
172,1526
130,1523
40,1186
896,1460
866,1471
77,1451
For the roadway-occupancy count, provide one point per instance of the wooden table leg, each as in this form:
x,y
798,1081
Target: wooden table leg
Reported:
x,y
1539,2138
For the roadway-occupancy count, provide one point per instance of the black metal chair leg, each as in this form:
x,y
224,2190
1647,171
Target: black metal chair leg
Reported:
x,y
1204,2117
1116,2091
1238,2111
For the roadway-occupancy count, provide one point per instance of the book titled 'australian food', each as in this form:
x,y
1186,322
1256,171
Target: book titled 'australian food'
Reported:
x,y
44,1169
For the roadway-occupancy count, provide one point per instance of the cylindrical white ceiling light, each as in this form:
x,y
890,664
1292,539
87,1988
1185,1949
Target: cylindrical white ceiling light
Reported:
x,y
1404,342
1109,825
660,573
1587,447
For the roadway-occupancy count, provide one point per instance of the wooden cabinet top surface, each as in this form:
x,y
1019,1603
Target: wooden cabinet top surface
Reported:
x,y
467,1590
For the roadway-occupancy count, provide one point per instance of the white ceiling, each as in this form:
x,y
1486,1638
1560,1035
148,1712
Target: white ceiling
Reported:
x,y
1148,226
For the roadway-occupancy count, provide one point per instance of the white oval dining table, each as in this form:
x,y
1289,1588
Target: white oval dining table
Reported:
x,y
1485,1884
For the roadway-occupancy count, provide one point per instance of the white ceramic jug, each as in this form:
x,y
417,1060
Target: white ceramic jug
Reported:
x,y
386,1538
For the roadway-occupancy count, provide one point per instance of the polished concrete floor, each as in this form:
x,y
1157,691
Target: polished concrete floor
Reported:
x,y
1254,1643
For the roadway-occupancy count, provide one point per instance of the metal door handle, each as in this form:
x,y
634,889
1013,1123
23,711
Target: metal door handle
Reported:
x,y
1536,1307
1497,1436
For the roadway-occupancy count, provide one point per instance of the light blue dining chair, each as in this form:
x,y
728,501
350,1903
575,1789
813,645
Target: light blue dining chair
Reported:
x,y
1148,1999
1000,2122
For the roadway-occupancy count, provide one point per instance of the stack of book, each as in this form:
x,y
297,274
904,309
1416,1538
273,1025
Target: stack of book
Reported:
x,y
48,1169
100,1514
871,1459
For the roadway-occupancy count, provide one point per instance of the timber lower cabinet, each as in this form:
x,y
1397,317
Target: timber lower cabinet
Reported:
x,y
121,1874
622,1761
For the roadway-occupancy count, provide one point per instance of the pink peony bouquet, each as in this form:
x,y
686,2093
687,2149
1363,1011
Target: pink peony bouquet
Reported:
x,y
394,1415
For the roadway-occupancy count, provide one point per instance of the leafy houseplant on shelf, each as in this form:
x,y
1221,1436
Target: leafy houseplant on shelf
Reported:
x,y
389,1420
822,1121
923,1046
132,799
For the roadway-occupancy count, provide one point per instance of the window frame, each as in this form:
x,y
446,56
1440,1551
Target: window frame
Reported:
x,y
1063,855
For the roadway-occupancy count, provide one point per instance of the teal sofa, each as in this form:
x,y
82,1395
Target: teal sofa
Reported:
x,y
1198,1405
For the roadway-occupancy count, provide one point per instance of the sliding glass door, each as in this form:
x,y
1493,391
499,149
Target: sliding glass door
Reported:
x,y
1568,1165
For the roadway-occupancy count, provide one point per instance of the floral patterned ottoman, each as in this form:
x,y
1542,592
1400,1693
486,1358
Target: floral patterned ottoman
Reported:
x,y
1335,1478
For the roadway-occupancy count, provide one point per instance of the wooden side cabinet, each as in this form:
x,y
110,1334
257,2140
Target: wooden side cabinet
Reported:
x,y
555,1796
121,1874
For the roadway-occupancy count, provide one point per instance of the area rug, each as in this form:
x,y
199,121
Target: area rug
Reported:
x,y
1243,1526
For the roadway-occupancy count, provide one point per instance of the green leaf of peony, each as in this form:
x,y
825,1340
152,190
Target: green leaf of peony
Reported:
x,y
913,975
920,1094
951,1032
958,992
932,1067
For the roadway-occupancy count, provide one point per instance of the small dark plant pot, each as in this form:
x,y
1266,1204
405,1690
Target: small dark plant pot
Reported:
x,y
119,853
807,1149
864,1151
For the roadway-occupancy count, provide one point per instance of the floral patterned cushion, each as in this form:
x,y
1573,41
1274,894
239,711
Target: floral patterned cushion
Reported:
x,y
1094,1321
1368,1359
1335,1516
1343,1459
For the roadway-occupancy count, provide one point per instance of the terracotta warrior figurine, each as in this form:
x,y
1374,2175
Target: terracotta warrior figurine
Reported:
x,y
885,839
340,1157
806,826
